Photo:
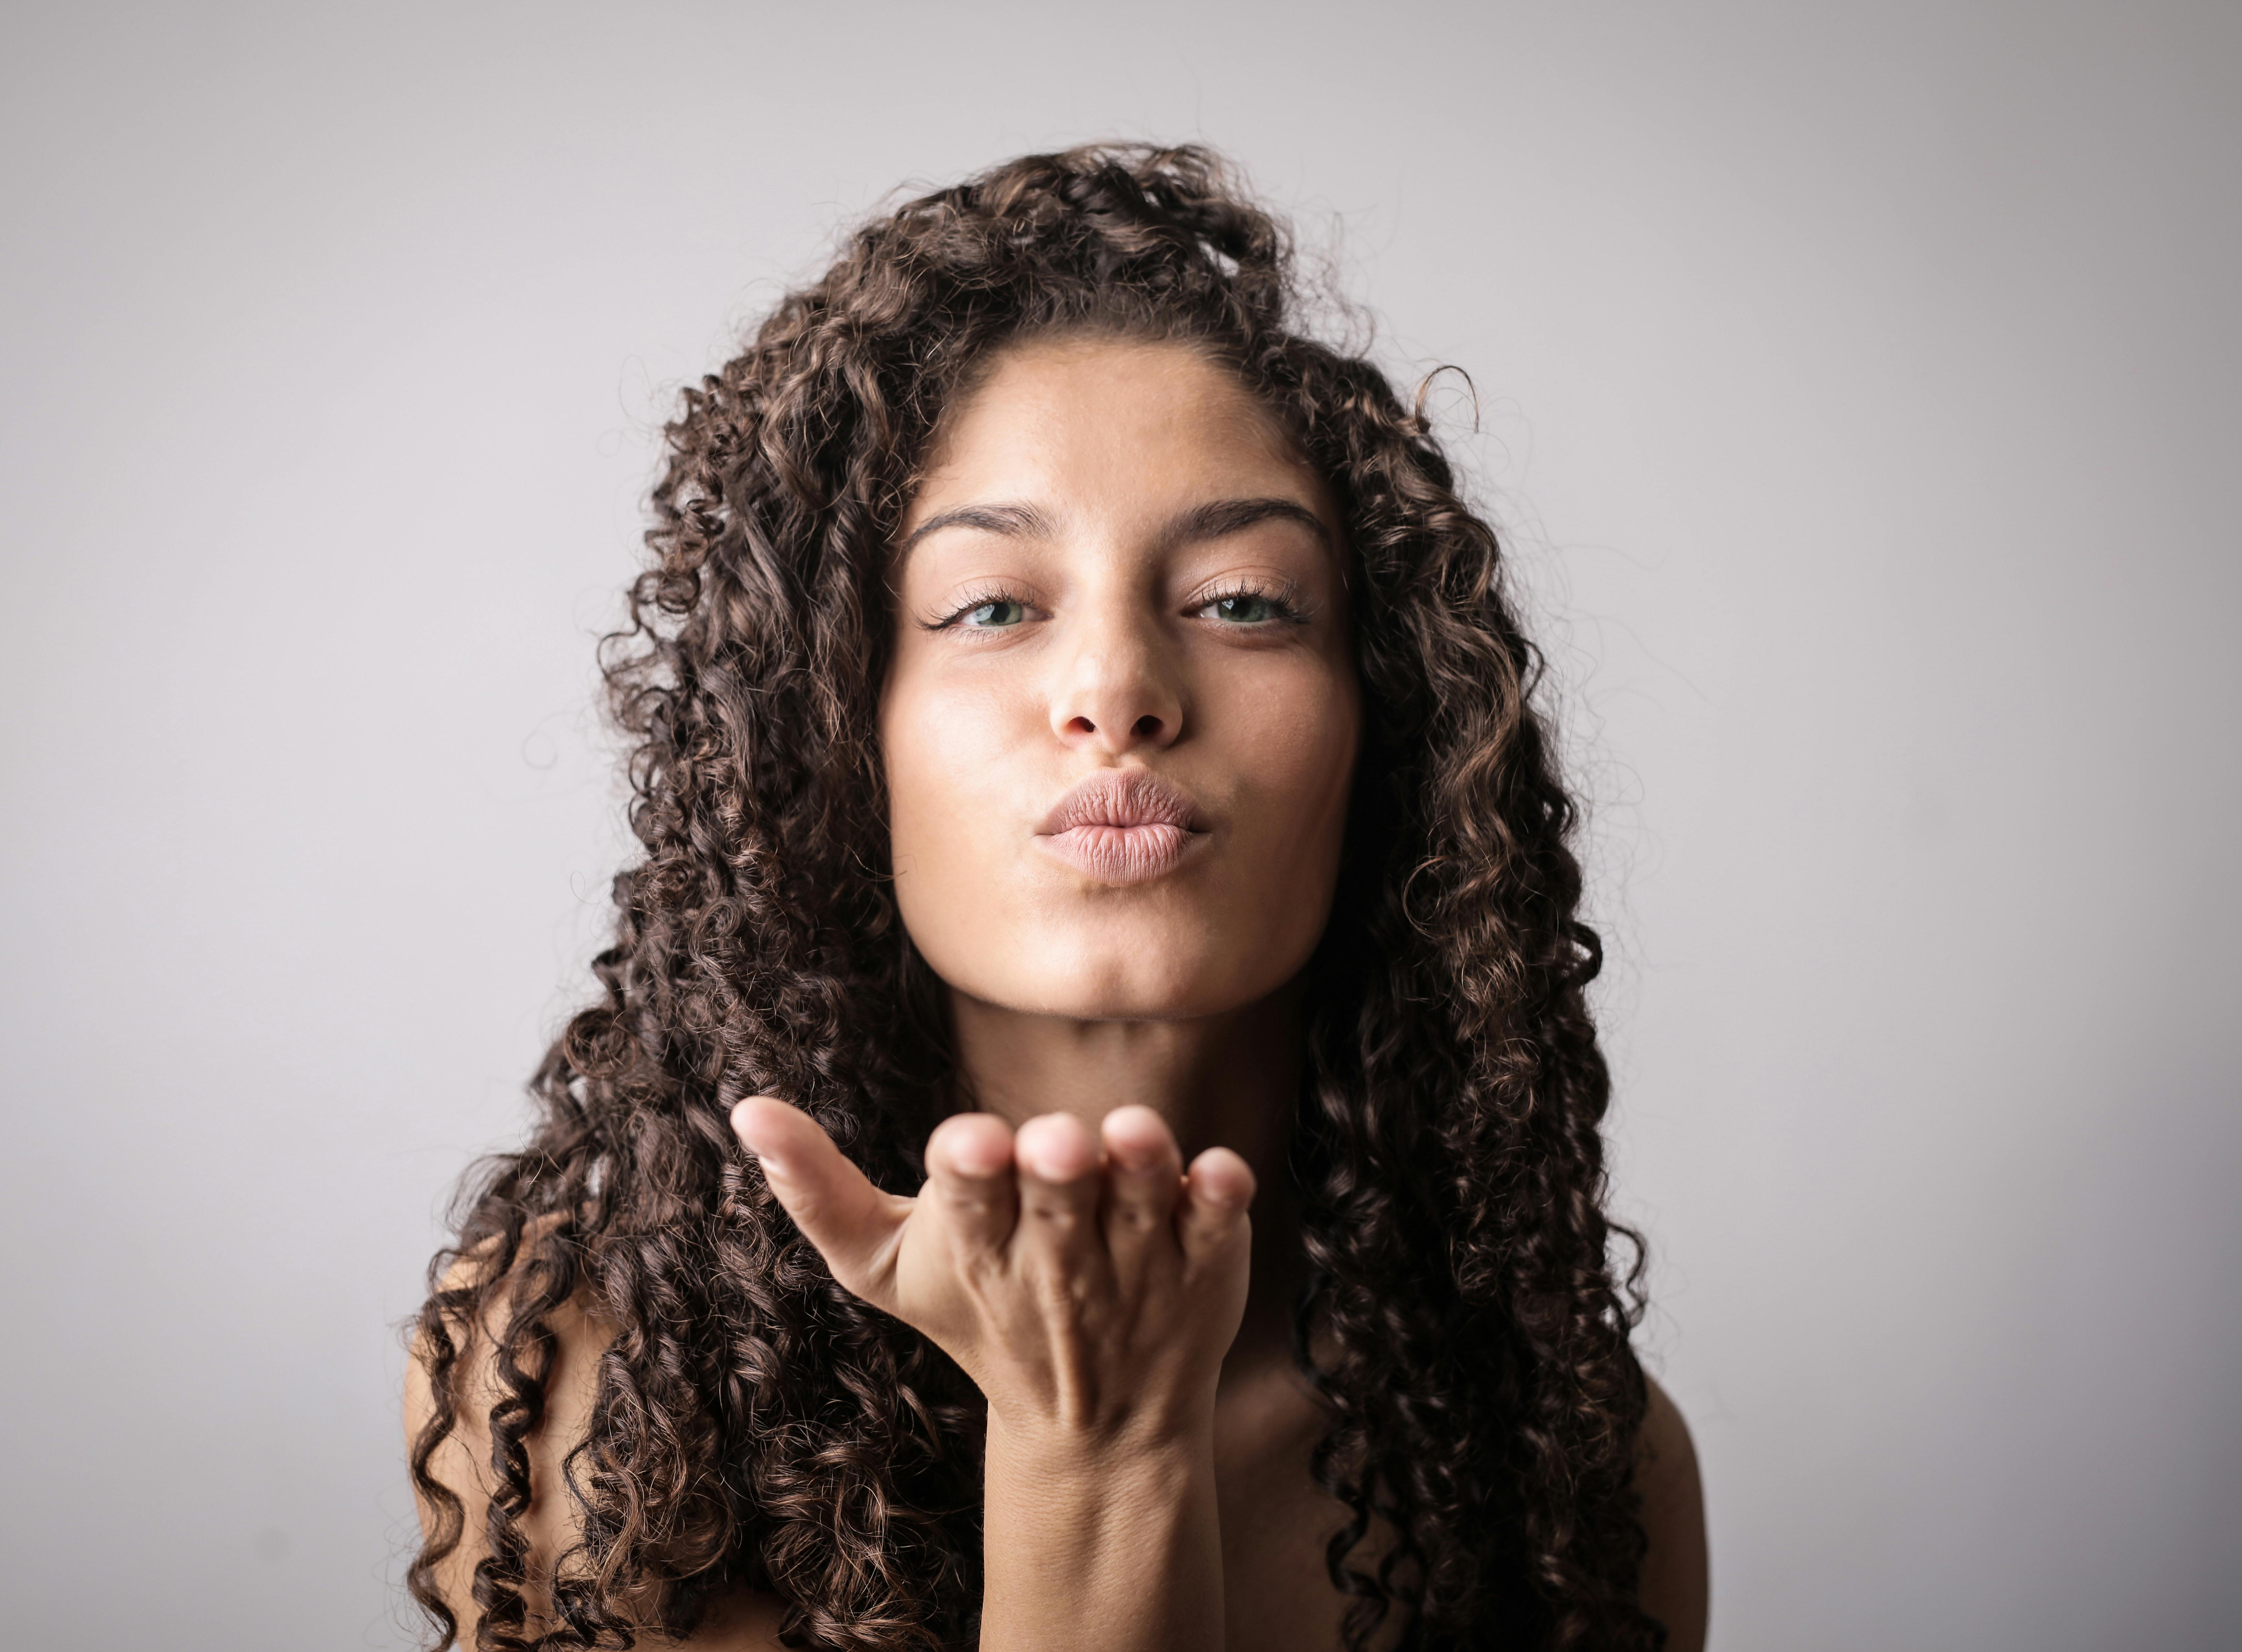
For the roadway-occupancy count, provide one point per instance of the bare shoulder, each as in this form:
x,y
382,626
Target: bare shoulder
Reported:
x,y
1675,1586
459,1460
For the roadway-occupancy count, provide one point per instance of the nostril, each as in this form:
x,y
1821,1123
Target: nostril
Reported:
x,y
1145,727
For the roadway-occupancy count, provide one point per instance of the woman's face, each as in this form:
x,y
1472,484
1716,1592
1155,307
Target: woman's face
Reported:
x,y
1120,724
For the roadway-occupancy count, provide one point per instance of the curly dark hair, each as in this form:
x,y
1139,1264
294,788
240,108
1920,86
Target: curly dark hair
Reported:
x,y
754,1424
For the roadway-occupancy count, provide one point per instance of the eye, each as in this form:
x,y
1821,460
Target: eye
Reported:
x,y
988,610
1247,608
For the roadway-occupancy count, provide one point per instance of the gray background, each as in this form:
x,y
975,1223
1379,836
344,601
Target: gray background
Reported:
x,y
1859,385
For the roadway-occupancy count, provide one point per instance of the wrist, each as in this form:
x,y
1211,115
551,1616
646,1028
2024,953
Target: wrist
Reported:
x,y
1090,1484
1150,1439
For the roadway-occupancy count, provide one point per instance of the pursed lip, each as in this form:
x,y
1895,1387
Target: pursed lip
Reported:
x,y
1121,826
1123,797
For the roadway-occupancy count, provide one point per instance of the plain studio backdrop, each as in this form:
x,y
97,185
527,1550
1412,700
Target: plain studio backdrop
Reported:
x,y
1858,387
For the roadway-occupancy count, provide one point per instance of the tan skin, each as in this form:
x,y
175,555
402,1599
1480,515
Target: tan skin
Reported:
x,y
1115,562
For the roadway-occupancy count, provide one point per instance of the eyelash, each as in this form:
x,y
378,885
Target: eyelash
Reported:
x,y
1281,597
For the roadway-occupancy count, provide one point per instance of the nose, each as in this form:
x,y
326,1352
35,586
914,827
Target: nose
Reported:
x,y
1118,689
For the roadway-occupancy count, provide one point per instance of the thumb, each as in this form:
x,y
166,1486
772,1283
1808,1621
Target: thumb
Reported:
x,y
853,1224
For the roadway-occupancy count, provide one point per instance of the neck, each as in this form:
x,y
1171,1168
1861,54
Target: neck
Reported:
x,y
1227,1080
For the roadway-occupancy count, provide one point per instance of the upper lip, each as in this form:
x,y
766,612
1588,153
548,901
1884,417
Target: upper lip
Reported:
x,y
1123,797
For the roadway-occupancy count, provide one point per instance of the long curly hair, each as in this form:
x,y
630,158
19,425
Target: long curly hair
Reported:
x,y
1466,1321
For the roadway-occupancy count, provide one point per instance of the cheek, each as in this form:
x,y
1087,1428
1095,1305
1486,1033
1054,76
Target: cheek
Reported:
x,y
942,742
1295,751
921,772
1291,749
960,793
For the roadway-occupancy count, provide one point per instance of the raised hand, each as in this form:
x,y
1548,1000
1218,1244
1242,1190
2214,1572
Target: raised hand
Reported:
x,y
1086,1282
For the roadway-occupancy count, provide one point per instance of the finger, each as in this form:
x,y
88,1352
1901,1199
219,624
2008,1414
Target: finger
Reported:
x,y
971,1181
853,1224
1059,1185
1144,1177
1213,1217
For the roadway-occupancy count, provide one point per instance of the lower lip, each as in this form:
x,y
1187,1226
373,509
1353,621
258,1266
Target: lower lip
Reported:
x,y
1120,854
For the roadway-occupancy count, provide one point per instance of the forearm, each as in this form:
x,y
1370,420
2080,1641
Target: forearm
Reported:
x,y
1100,1548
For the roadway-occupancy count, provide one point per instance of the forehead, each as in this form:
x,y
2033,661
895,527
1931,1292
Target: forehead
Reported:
x,y
1106,422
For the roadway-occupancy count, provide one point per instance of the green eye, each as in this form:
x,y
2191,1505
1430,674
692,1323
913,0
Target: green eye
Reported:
x,y
1244,610
1001,611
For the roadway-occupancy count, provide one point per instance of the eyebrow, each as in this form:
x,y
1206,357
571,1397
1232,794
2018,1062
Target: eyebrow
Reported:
x,y
1211,521
1232,516
1013,521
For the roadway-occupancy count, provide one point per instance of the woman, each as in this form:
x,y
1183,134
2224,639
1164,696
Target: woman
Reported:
x,y
1079,731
